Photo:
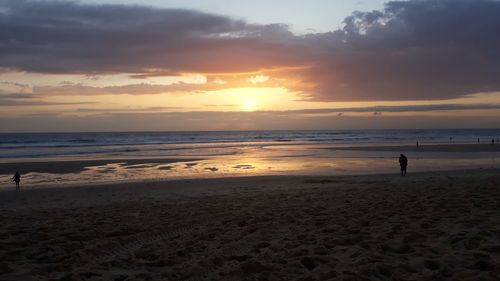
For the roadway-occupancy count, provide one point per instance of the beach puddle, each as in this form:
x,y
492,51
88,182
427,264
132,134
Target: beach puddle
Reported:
x,y
166,168
244,167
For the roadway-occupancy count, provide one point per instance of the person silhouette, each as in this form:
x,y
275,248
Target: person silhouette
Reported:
x,y
403,162
17,178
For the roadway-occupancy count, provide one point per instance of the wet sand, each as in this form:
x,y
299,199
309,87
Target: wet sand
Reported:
x,y
428,148
262,161
76,166
427,226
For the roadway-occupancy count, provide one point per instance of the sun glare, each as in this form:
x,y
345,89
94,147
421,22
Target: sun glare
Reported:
x,y
249,105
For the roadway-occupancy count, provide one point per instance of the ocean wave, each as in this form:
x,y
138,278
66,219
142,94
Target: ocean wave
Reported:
x,y
57,144
120,150
83,140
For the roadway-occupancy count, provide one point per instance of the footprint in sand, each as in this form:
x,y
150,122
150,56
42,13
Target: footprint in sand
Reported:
x,y
213,169
140,241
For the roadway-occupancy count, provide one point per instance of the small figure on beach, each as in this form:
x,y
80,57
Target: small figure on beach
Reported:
x,y
417,143
17,179
403,162
492,141
478,140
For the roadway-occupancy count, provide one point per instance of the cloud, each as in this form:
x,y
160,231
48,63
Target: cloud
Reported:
x,y
420,49
22,99
138,109
397,108
411,50
10,102
16,85
67,37
182,121
212,84
375,110
18,96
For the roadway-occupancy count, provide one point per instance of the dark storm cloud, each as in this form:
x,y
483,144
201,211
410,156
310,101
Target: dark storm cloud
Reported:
x,y
412,50
62,37
420,49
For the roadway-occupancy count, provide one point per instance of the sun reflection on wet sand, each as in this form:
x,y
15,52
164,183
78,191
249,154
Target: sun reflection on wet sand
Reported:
x,y
259,161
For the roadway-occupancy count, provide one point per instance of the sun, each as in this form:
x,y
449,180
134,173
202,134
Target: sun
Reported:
x,y
249,105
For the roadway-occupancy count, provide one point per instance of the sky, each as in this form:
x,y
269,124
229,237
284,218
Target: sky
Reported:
x,y
302,16
109,65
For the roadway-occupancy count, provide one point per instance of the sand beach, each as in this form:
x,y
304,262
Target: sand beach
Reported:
x,y
426,226
212,140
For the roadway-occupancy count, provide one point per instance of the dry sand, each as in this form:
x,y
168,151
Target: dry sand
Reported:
x,y
429,226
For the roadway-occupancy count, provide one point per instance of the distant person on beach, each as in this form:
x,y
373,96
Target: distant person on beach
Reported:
x,y
403,162
17,179
478,140
492,141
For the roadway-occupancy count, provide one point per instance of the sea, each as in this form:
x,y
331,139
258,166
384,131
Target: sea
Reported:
x,y
225,153
16,145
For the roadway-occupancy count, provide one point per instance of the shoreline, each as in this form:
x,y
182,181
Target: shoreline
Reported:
x,y
463,147
154,182
222,184
307,160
